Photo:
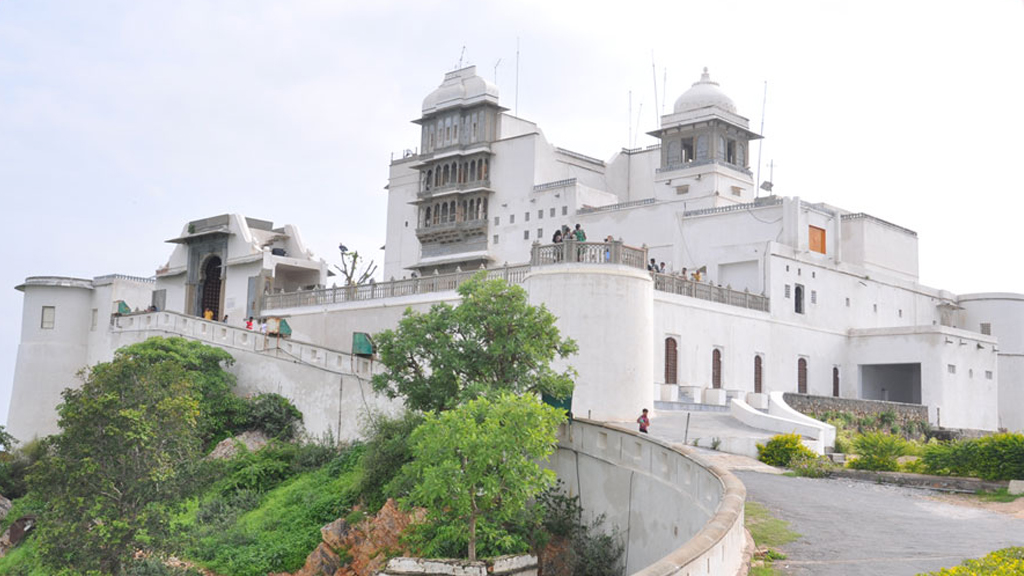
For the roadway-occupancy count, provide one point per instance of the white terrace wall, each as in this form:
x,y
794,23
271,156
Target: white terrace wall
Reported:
x,y
676,514
331,388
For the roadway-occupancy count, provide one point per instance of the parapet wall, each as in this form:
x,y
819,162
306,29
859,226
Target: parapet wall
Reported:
x,y
676,514
811,405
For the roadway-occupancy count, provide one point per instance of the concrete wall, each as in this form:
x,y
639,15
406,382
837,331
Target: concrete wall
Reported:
x,y
616,373
48,358
817,405
331,388
1004,314
675,514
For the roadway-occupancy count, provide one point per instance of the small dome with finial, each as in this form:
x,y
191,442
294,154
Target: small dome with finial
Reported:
x,y
460,87
703,94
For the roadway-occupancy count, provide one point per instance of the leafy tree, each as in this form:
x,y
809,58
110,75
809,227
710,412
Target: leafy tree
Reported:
x,y
475,470
493,341
222,413
128,438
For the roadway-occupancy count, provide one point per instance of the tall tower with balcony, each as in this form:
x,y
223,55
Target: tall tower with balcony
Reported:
x,y
705,149
461,118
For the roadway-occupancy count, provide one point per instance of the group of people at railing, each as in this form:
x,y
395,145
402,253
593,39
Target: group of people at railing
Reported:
x,y
656,268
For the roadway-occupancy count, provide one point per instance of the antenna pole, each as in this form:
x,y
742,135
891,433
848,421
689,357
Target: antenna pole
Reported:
x,y
496,70
760,143
461,54
639,113
654,75
629,139
664,87
517,76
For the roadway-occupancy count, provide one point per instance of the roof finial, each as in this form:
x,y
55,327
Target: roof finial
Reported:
x,y
705,77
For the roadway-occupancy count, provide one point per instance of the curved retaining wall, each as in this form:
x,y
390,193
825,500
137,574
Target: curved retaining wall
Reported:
x,y
676,514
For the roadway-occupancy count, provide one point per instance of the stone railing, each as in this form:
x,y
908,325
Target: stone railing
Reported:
x,y
710,292
571,251
555,184
676,514
879,221
232,337
472,185
408,287
619,206
759,203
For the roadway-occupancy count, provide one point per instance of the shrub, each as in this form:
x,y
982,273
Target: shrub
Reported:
x,y
14,466
386,452
156,567
592,552
782,449
915,466
949,458
1006,561
878,451
1000,457
812,467
274,415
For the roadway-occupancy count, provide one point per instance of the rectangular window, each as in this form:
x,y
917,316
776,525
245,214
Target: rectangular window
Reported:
x,y
988,374
497,220
552,213
787,290
526,234
814,296
95,319
875,306
511,218
951,368
526,217
49,314
737,191
986,328
685,188
901,312
847,302
816,239
495,238
540,214
565,210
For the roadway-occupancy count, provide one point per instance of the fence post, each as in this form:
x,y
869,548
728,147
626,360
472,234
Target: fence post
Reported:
x,y
534,253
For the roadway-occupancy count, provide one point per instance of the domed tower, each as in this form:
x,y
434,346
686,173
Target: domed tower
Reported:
x,y
705,149
461,118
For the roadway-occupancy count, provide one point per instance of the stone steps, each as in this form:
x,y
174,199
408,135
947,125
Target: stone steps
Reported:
x,y
688,406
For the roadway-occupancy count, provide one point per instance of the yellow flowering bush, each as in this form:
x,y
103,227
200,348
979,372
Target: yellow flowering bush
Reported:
x,y
1005,562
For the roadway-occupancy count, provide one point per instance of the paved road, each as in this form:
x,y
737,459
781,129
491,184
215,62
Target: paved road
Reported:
x,y
858,528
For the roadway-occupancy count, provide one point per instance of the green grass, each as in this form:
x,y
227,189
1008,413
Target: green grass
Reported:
x,y
766,529
278,534
1000,495
23,561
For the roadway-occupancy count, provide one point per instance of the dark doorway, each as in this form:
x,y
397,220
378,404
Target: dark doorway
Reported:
x,y
798,299
716,368
671,356
757,374
211,287
801,376
835,381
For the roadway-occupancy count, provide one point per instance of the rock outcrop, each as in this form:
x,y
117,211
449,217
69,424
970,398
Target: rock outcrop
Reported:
x,y
360,549
227,448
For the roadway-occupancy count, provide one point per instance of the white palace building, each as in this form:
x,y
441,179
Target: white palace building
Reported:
x,y
793,296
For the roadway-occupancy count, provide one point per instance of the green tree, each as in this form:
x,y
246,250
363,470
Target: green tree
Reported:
x,y
128,438
493,341
222,413
475,468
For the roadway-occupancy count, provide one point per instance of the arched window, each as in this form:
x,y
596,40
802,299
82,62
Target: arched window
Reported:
x,y
671,356
426,220
472,170
430,176
484,214
716,368
487,167
835,381
798,299
444,213
437,213
757,375
444,178
801,376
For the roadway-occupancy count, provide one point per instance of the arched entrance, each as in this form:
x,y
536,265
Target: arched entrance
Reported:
x,y
671,356
835,381
757,374
211,287
716,368
801,376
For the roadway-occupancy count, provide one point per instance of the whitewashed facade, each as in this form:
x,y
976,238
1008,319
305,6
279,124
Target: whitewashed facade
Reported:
x,y
793,295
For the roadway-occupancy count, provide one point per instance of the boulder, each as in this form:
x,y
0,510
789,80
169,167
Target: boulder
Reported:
x,y
227,448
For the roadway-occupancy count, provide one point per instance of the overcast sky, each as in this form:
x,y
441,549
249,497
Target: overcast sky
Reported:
x,y
122,120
